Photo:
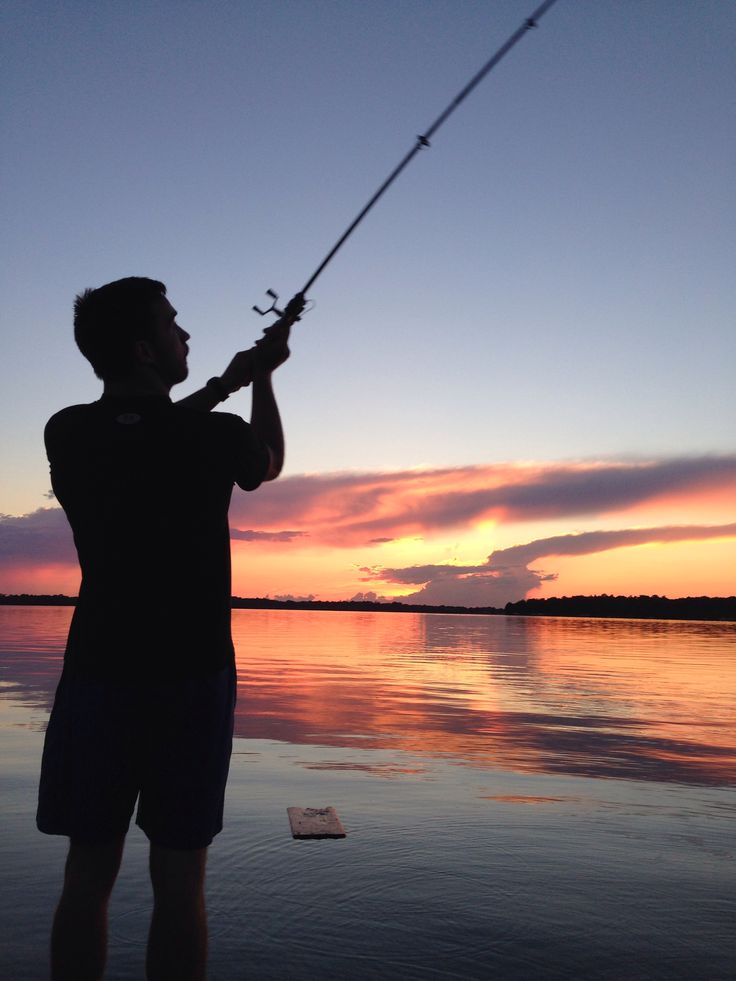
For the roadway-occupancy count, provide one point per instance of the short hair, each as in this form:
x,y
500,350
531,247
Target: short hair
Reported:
x,y
109,320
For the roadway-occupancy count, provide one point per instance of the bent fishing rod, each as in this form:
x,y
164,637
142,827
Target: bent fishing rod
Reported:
x,y
296,304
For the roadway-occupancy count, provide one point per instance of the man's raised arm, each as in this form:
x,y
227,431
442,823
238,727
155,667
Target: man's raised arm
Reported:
x,y
256,365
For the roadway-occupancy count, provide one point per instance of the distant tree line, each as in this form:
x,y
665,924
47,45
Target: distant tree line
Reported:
x,y
359,606
31,599
268,603
629,607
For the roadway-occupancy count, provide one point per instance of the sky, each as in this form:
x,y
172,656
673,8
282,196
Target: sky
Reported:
x,y
516,378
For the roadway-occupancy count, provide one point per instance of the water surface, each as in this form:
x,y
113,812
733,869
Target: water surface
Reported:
x,y
524,798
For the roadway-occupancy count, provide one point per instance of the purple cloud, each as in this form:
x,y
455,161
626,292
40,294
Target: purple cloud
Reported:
x,y
42,537
352,509
347,510
506,577
589,542
239,535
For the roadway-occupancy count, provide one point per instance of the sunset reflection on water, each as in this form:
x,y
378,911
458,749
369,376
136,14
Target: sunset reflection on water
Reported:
x,y
634,699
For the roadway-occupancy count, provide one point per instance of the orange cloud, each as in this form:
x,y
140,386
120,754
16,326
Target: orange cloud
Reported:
x,y
506,575
346,510
310,520
694,568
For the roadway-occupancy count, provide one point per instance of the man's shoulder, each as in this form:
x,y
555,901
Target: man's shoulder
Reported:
x,y
69,417
71,411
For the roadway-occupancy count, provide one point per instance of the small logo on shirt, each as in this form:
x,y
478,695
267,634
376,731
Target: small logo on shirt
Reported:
x,y
128,418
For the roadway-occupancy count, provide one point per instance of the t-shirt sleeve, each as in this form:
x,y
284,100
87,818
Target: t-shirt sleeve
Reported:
x,y
61,440
57,431
249,457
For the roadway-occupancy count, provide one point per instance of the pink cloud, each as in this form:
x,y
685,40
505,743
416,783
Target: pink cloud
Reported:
x,y
240,535
586,543
42,537
359,509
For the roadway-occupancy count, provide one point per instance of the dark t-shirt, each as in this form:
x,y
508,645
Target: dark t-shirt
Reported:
x,y
146,486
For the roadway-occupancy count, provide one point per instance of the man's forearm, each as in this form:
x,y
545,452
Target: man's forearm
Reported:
x,y
204,399
266,421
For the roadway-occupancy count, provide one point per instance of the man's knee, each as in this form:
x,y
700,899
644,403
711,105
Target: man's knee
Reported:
x,y
92,868
177,875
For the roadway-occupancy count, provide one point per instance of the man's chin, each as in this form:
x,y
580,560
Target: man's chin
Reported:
x,y
178,377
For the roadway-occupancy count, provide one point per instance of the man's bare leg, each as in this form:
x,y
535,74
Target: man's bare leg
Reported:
x,y
177,943
79,933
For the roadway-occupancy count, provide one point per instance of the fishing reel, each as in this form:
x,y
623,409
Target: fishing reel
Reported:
x,y
294,308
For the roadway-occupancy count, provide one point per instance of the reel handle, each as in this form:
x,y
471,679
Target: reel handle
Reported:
x,y
273,308
293,308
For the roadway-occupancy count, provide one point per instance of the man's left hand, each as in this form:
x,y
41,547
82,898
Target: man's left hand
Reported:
x,y
272,349
267,354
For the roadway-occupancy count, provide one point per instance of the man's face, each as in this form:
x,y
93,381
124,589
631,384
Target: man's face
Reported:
x,y
168,344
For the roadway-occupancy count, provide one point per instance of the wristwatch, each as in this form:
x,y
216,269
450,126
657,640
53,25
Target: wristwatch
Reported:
x,y
217,386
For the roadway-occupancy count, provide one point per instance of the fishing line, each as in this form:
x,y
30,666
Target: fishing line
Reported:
x,y
422,142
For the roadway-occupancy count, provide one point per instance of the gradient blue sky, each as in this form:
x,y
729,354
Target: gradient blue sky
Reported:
x,y
553,280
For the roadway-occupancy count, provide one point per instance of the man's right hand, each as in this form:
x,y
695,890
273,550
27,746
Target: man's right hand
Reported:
x,y
269,351
273,348
239,373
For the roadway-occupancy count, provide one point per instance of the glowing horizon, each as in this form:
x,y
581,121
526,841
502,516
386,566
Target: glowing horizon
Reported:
x,y
470,536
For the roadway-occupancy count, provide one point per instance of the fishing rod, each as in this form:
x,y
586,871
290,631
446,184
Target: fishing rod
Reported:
x,y
422,142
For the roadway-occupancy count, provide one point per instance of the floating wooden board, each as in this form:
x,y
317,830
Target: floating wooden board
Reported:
x,y
315,822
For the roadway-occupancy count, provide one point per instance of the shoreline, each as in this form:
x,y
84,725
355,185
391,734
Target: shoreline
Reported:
x,y
705,608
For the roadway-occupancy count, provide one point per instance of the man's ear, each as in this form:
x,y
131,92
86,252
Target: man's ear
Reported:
x,y
144,353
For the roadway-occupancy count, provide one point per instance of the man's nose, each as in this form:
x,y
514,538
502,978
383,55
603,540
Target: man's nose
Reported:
x,y
183,334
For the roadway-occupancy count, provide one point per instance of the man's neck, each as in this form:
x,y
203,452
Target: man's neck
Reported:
x,y
143,384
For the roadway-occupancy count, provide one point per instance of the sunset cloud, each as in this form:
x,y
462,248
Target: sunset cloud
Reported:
x,y
588,542
506,575
360,509
318,516
42,536
239,535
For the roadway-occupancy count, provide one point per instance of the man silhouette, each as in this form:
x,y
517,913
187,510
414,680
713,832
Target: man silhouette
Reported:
x,y
144,707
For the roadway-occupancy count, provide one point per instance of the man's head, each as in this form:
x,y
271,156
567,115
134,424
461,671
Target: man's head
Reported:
x,y
129,326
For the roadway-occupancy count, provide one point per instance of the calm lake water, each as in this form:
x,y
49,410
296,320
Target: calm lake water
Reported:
x,y
524,798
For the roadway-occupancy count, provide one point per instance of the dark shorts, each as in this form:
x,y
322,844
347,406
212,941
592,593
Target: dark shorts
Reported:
x,y
167,746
